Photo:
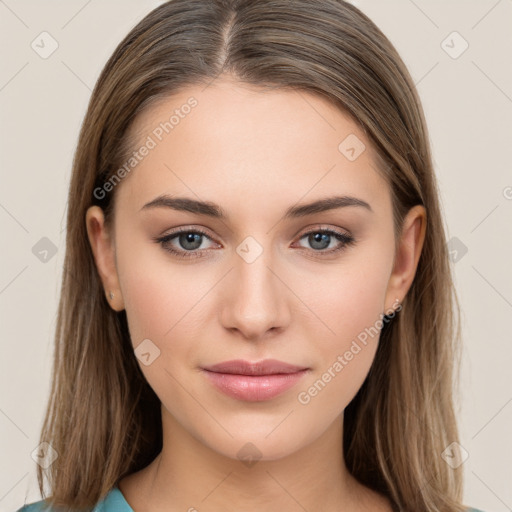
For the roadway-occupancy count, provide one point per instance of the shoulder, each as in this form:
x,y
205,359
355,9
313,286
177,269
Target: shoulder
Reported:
x,y
113,502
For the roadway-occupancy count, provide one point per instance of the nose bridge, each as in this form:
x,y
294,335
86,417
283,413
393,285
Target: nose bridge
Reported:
x,y
256,300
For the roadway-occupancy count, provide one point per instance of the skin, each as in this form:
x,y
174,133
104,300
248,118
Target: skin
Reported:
x,y
255,153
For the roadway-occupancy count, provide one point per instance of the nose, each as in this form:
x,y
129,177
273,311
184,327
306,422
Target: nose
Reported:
x,y
255,299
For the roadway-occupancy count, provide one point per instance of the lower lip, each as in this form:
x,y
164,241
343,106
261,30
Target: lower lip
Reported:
x,y
254,388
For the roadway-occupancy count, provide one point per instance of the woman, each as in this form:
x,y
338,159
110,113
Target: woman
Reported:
x,y
257,311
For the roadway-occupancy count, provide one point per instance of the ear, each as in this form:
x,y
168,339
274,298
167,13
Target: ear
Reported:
x,y
407,256
103,248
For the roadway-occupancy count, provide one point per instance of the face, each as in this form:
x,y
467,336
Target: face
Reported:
x,y
307,288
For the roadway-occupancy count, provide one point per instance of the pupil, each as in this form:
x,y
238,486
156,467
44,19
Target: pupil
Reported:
x,y
191,238
317,238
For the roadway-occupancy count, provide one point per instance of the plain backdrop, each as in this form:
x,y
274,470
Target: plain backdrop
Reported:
x,y
465,83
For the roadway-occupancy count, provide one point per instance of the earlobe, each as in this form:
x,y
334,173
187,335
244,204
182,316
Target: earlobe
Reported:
x,y
408,255
103,249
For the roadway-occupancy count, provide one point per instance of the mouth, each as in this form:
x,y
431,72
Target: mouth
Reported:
x,y
265,367
254,382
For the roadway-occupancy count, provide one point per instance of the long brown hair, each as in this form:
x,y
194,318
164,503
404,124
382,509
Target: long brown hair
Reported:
x,y
103,419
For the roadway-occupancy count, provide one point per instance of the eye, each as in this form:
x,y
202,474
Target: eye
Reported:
x,y
321,239
190,242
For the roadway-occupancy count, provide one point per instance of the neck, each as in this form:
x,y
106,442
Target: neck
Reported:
x,y
188,475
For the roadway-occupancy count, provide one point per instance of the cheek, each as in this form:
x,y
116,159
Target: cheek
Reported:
x,y
349,298
149,304
162,302
350,301
151,290
165,302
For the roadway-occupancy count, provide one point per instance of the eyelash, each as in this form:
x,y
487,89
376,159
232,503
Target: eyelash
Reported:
x,y
346,240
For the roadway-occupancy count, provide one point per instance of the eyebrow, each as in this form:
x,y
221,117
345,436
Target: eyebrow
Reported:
x,y
210,209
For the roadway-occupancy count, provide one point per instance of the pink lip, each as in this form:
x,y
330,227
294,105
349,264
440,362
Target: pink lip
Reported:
x,y
254,382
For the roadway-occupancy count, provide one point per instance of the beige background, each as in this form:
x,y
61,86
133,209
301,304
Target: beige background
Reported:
x,y
468,104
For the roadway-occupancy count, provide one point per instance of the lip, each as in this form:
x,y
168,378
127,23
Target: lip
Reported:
x,y
265,367
254,382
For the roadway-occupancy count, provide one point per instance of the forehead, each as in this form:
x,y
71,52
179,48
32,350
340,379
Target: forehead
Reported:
x,y
233,139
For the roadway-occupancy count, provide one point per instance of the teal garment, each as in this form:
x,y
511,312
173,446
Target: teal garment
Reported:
x,y
113,502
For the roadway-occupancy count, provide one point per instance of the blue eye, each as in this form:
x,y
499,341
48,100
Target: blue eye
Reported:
x,y
321,239
190,241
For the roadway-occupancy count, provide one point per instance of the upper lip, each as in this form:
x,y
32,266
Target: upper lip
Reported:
x,y
265,367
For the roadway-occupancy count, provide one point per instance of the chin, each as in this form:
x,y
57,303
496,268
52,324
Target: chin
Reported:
x,y
254,445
